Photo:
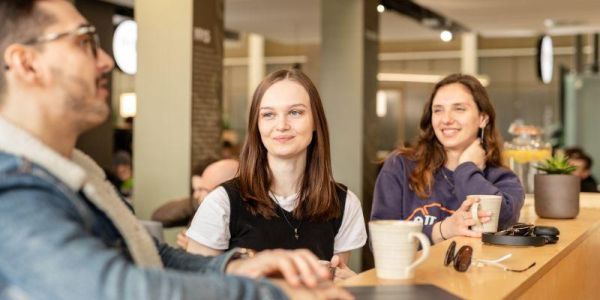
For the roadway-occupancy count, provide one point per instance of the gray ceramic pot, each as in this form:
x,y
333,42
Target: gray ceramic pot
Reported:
x,y
556,196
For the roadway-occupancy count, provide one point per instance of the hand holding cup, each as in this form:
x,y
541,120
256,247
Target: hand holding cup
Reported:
x,y
462,219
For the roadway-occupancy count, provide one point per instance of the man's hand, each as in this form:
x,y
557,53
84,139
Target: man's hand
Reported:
x,y
298,267
325,291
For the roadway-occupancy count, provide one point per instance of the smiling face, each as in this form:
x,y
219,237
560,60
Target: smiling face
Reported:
x,y
285,120
455,117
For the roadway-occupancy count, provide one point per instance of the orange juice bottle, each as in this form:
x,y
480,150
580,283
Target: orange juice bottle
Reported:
x,y
524,151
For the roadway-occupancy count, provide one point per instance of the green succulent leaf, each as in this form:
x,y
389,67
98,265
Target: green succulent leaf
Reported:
x,y
558,164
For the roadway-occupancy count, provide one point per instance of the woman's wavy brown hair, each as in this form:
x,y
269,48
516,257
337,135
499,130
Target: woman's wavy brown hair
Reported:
x,y
317,195
429,153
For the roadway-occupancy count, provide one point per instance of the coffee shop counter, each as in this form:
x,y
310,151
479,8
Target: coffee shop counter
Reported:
x,y
569,269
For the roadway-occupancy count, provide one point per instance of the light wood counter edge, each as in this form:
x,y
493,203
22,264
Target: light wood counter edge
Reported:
x,y
588,201
553,261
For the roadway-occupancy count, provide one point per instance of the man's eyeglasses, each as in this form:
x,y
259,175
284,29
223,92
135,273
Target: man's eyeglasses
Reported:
x,y
462,259
84,30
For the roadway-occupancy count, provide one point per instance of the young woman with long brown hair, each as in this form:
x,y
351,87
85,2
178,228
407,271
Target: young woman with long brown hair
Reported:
x,y
458,153
285,195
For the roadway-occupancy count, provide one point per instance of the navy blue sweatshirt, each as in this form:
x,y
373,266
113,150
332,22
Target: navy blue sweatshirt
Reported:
x,y
395,200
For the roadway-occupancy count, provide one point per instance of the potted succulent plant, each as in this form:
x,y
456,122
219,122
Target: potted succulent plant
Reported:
x,y
556,191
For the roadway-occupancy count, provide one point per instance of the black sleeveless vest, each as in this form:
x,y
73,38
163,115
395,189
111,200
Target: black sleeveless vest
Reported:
x,y
258,233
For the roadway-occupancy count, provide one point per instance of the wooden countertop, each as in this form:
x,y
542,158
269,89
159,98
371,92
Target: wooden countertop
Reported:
x,y
491,282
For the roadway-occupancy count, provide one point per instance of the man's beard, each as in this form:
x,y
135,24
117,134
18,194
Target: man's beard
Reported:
x,y
77,95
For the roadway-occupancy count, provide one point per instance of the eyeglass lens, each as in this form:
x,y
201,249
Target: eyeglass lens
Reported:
x,y
450,253
94,42
462,258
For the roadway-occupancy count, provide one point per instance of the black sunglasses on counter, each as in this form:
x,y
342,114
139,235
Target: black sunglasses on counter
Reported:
x,y
462,259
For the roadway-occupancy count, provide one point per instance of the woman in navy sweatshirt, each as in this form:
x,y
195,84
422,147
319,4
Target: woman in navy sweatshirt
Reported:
x,y
458,153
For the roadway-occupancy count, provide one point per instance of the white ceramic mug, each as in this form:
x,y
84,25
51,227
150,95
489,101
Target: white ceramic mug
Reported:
x,y
490,203
394,247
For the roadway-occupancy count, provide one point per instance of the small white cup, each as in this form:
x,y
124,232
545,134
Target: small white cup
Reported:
x,y
394,247
491,203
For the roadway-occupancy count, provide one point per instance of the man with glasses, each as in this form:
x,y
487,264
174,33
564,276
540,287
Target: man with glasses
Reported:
x,y
65,233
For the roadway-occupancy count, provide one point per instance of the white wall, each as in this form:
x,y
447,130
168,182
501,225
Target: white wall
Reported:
x,y
162,134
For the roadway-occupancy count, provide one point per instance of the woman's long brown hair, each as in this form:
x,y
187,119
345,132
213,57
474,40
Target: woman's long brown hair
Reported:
x,y
429,153
317,195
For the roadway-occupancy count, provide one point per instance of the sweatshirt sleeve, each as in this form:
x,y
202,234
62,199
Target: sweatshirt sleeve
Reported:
x,y
470,180
387,198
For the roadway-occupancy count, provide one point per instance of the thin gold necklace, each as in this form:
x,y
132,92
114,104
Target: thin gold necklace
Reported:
x,y
295,228
447,179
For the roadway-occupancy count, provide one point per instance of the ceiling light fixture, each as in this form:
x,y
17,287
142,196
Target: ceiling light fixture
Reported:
x,y
381,104
128,105
549,23
423,15
125,46
380,8
545,58
446,36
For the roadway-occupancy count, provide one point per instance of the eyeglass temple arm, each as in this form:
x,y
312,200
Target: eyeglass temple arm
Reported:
x,y
521,270
505,268
502,258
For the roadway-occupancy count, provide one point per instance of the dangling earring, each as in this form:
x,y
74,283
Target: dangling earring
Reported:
x,y
481,136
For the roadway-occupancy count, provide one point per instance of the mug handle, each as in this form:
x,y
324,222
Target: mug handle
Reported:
x,y
425,245
474,212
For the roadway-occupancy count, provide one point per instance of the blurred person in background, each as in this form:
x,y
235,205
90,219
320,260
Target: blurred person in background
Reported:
x,y
120,175
206,176
583,163
123,169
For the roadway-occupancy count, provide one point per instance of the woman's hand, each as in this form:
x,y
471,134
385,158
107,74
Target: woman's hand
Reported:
x,y
342,270
458,224
182,240
475,154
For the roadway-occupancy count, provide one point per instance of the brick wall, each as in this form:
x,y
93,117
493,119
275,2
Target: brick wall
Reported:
x,y
207,80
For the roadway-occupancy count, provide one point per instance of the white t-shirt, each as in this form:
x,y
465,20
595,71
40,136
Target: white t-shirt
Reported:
x,y
210,226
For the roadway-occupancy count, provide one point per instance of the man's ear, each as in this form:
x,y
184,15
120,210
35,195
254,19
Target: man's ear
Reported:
x,y
24,62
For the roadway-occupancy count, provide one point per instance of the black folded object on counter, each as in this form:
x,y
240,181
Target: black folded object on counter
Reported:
x,y
522,234
393,292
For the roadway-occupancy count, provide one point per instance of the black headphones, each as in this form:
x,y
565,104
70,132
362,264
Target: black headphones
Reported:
x,y
522,234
